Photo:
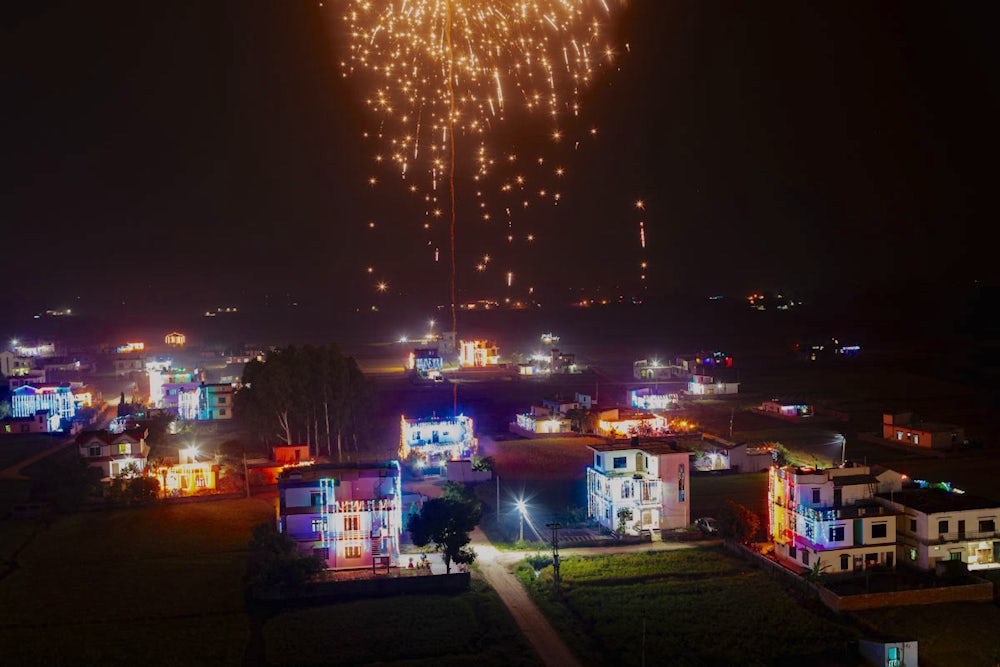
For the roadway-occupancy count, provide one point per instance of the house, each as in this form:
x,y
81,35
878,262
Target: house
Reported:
x,y
129,363
651,399
562,362
28,400
904,428
702,363
12,365
425,360
437,439
653,369
832,517
175,339
33,377
188,476
708,385
626,422
347,514
936,522
639,486
713,453
291,454
113,452
540,420
889,653
478,353
42,421
215,401
785,409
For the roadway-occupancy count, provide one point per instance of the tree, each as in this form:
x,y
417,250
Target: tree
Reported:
x,y
131,487
737,522
447,522
277,560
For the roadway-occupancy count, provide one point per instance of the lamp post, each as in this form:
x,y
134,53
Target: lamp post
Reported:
x,y
521,509
843,450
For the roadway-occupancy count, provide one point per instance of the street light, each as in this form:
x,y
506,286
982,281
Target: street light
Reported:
x,y
522,510
843,450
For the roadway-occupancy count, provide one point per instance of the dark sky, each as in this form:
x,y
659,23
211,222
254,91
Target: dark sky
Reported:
x,y
211,152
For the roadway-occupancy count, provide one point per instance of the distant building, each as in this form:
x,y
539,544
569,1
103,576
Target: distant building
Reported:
x,y
717,454
939,523
707,385
435,440
889,653
478,353
129,363
650,399
904,428
175,339
646,369
12,365
28,400
215,401
425,360
791,410
41,422
113,452
188,476
832,517
348,515
34,378
540,420
639,486
626,422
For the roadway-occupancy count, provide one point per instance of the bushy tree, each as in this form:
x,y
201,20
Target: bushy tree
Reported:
x,y
738,522
277,560
447,522
131,487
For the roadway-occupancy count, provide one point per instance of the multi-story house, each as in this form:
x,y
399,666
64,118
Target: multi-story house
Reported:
x,y
709,385
937,522
347,514
639,486
478,353
832,517
651,399
42,422
626,423
28,400
113,452
435,440
216,401
12,365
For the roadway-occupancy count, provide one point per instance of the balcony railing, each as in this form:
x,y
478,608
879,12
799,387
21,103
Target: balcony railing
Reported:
x,y
947,538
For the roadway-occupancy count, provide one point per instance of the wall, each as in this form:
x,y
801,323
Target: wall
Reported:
x,y
975,592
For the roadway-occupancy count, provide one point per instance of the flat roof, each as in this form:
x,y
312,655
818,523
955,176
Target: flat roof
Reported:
x,y
655,448
935,501
851,480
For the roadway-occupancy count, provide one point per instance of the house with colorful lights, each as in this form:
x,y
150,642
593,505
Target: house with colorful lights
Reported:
x,y
478,353
540,420
175,339
347,514
904,428
435,440
832,517
188,476
654,369
649,399
635,486
785,409
627,422
113,452
29,400
215,401
937,522
425,360
709,385
42,422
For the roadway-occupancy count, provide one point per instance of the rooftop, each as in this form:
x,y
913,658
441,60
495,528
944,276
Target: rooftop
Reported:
x,y
851,480
934,501
345,470
655,448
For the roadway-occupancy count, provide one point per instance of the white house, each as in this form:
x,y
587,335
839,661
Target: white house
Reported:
x,y
832,517
707,385
437,439
889,654
641,486
113,452
937,523
626,422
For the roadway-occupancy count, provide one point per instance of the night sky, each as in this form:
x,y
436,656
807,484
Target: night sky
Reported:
x,y
211,152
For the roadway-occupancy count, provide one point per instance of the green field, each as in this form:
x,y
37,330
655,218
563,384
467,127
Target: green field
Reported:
x,y
692,607
473,628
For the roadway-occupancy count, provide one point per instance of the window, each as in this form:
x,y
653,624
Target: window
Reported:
x,y
845,561
913,554
880,529
680,483
836,533
352,523
805,557
916,439
124,448
791,551
323,553
222,400
318,525
943,526
899,435
913,525
94,451
627,490
955,555
620,462
892,653
815,496
222,412
597,460
987,526
352,552
316,498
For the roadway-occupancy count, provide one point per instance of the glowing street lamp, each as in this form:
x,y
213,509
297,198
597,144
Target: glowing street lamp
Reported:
x,y
522,509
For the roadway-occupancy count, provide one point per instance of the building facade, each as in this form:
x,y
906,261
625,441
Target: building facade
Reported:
x,y
29,400
627,423
215,401
113,452
42,422
348,515
707,385
904,428
650,399
436,440
831,517
478,353
636,486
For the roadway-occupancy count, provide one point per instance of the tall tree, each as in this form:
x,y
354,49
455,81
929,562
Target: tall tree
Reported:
x,y
447,522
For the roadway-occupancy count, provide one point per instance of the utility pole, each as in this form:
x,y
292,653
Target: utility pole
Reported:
x,y
498,501
555,526
246,475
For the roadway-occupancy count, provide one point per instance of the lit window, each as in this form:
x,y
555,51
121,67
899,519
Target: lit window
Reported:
x,y
318,525
916,439
913,554
351,523
352,552
124,448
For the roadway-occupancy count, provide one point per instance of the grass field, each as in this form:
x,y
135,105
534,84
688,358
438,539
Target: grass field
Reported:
x,y
160,585
16,448
473,628
699,607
